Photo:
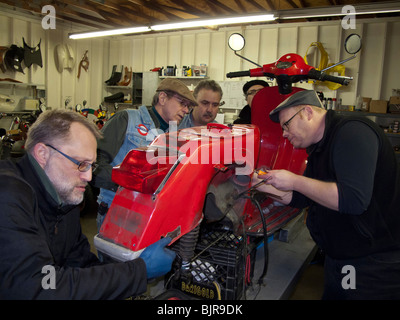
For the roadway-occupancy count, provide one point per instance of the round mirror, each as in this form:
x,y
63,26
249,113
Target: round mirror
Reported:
x,y
236,42
353,43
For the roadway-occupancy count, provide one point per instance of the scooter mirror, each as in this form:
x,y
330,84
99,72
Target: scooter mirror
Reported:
x,y
236,42
352,43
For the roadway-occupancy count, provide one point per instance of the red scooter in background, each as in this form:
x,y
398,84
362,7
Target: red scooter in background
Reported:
x,y
194,185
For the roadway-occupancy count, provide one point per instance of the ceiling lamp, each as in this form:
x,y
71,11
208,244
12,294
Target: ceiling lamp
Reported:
x,y
213,22
174,26
105,33
357,9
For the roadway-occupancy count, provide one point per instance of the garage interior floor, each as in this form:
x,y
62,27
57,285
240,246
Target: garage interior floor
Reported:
x,y
308,287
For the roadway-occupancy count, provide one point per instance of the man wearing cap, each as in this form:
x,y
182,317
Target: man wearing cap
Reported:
x,y
130,129
352,188
250,89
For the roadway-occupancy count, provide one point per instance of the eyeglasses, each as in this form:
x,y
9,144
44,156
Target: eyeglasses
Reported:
x,y
252,92
285,125
82,166
185,103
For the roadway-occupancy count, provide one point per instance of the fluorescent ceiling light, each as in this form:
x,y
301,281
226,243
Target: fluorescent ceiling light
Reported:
x,y
321,15
104,33
359,9
178,25
213,22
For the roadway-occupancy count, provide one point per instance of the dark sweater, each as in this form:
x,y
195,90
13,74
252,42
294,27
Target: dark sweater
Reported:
x,y
36,231
244,116
356,154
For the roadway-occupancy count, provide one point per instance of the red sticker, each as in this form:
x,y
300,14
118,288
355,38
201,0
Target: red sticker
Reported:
x,y
141,128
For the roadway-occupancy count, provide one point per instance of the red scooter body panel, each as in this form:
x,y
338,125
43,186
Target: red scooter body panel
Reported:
x,y
135,220
276,152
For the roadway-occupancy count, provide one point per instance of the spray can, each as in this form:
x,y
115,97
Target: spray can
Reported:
x,y
329,106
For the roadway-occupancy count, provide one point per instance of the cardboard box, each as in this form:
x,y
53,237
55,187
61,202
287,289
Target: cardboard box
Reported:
x,y
195,71
394,104
365,104
394,100
203,70
378,106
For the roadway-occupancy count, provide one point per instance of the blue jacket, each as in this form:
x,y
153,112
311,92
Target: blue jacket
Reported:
x,y
140,130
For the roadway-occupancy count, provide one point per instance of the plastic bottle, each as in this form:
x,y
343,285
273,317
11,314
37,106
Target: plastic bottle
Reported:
x,y
358,103
324,103
329,106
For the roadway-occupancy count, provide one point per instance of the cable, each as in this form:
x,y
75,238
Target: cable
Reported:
x,y
266,251
217,286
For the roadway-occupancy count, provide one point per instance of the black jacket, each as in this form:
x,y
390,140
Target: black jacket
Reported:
x,y
345,234
36,232
244,116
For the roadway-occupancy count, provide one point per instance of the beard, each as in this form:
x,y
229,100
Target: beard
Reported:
x,y
68,194
65,186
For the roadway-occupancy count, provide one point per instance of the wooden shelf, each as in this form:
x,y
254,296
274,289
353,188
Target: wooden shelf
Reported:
x,y
175,77
119,87
393,135
21,84
365,114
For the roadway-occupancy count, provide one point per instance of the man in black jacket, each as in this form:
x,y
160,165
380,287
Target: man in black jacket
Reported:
x,y
352,187
44,254
250,89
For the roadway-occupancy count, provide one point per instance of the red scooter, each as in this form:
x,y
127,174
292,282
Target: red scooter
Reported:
x,y
199,179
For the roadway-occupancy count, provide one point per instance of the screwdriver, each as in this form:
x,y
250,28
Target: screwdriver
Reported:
x,y
259,172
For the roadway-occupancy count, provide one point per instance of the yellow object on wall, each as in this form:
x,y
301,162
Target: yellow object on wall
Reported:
x,y
323,63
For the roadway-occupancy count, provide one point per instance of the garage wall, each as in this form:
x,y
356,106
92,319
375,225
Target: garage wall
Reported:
x,y
375,70
59,86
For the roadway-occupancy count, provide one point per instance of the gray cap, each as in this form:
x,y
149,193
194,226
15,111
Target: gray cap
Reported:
x,y
304,97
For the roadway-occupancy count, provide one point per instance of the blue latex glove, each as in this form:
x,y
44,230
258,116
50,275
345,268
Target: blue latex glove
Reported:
x,y
157,258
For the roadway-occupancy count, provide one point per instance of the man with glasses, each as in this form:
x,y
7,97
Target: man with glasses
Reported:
x,y
44,254
250,89
352,187
130,129
208,95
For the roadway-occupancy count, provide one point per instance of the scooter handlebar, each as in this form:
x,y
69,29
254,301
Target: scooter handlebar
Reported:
x,y
289,74
322,76
237,74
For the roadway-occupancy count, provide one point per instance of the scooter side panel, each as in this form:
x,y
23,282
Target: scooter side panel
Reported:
x,y
275,151
136,220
